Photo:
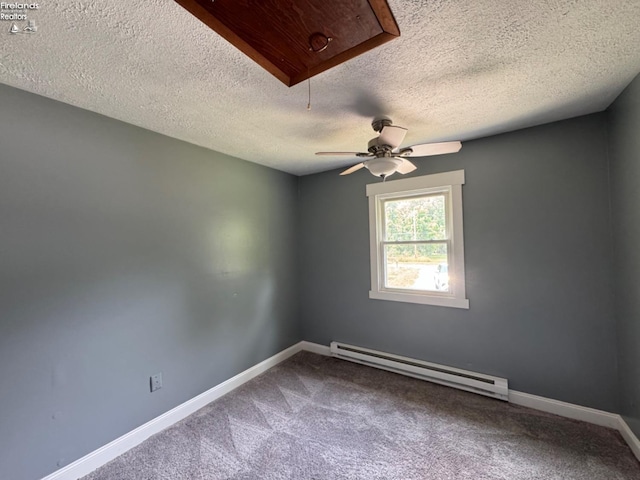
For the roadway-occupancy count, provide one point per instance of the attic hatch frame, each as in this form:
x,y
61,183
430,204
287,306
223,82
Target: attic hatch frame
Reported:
x,y
286,50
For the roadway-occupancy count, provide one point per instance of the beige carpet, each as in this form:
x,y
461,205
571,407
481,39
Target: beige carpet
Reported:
x,y
319,418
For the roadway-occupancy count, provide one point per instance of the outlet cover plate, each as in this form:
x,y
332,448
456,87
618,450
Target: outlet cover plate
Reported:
x,y
156,382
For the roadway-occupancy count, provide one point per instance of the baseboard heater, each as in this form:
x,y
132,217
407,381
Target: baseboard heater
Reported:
x,y
495,387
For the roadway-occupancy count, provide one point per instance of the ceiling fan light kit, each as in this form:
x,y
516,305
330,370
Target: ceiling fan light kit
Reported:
x,y
385,157
383,167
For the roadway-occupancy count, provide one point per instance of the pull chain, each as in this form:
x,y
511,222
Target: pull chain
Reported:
x,y
309,104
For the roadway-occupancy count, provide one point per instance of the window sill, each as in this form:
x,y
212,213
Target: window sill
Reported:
x,y
439,301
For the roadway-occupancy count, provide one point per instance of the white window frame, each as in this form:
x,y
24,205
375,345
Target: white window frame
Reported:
x,y
449,183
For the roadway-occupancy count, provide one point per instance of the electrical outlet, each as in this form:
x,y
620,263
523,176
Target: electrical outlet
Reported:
x,y
156,382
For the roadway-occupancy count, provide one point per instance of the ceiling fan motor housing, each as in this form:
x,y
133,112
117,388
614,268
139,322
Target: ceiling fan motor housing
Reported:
x,y
379,123
377,148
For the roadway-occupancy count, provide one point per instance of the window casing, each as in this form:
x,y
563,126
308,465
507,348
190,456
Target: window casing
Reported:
x,y
416,231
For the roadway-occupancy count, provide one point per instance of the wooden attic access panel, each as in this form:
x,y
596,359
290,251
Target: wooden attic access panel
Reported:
x,y
286,36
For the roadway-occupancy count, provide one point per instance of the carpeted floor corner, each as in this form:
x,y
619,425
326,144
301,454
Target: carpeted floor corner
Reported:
x,y
319,418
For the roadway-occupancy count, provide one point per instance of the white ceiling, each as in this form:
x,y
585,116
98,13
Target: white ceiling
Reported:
x,y
460,70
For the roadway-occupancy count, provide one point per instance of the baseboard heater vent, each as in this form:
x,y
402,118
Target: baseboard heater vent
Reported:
x,y
495,387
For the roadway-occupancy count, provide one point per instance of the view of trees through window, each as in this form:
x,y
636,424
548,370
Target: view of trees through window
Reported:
x,y
415,243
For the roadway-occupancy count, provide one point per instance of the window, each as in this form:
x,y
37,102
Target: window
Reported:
x,y
417,251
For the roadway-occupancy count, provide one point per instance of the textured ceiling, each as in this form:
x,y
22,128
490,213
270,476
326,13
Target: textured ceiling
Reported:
x,y
460,70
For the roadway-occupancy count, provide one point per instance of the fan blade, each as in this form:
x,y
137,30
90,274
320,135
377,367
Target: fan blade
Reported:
x,y
427,149
406,167
353,169
392,136
351,154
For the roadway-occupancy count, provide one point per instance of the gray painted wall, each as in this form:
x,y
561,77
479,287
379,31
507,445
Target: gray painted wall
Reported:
x,y
124,253
624,125
537,251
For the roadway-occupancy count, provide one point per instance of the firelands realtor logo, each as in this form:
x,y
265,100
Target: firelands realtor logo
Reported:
x,y
18,14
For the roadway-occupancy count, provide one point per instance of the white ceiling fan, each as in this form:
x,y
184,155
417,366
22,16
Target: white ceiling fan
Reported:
x,y
385,157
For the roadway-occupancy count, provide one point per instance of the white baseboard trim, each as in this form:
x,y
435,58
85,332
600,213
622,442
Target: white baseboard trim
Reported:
x,y
568,410
578,412
105,454
629,437
316,348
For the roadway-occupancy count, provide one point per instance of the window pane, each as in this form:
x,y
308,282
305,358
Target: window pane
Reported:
x,y
417,267
420,218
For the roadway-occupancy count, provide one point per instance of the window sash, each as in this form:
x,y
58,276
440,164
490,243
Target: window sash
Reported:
x,y
393,198
384,274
